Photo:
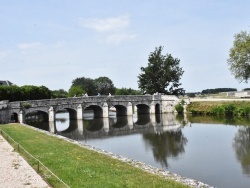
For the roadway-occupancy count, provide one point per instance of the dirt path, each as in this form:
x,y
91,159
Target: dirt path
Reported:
x,y
15,172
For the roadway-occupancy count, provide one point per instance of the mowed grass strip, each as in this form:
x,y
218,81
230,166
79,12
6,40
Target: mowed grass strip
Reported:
x,y
80,167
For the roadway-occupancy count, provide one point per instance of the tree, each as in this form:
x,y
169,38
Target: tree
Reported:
x,y
61,93
162,74
127,91
87,84
104,85
239,57
75,91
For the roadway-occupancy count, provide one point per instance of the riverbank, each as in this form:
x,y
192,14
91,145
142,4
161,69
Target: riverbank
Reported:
x,y
234,107
84,166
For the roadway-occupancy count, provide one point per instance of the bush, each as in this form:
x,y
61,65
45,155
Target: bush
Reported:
x,y
179,108
229,109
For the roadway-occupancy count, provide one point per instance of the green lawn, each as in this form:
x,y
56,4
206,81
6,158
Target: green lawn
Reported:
x,y
80,167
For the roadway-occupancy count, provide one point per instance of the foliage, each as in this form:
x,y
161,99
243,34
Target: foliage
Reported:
x,y
61,93
162,74
239,57
75,91
102,85
87,84
217,90
80,167
190,94
127,91
229,108
179,108
26,105
23,93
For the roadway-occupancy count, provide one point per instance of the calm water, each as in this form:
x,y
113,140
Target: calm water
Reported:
x,y
215,151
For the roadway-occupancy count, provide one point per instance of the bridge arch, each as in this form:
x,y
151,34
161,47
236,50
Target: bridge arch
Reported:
x,y
14,117
36,115
142,109
72,112
121,110
97,110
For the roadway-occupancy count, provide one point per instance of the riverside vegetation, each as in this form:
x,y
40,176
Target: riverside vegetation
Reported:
x,y
80,167
227,108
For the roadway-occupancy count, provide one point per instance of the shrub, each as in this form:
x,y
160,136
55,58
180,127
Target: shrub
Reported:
x,y
179,108
229,109
26,105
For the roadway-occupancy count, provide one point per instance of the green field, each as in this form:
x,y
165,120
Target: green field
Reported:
x,y
78,166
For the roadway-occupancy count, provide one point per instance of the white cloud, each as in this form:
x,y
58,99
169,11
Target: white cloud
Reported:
x,y
110,30
119,37
29,46
108,24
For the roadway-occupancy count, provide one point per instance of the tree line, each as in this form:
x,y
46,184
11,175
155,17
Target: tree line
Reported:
x,y
23,93
217,90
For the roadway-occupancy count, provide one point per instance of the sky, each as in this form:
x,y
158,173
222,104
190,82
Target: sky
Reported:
x,y
53,42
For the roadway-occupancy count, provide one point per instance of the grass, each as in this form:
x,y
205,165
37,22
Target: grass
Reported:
x,y
234,108
80,167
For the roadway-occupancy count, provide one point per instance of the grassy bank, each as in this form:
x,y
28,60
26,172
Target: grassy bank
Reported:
x,y
80,167
235,108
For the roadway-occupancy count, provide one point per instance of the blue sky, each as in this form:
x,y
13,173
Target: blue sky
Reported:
x,y
52,42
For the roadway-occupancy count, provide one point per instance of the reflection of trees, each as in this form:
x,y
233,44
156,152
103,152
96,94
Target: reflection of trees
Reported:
x,y
168,144
61,120
241,145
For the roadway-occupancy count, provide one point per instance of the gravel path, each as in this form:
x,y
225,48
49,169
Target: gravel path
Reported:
x,y
15,172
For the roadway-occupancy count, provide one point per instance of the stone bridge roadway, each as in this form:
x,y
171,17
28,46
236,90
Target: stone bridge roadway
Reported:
x,y
124,104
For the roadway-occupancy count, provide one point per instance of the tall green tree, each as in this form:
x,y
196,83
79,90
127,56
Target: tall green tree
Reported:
x,y
239,57
87,84
104,85
162,74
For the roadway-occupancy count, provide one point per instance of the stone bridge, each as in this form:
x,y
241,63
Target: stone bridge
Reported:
x,y
125,105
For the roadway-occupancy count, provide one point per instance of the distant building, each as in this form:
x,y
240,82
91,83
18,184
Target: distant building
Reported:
x,y
6,83
241,94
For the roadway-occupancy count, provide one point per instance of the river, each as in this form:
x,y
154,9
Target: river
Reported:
x,y
213,150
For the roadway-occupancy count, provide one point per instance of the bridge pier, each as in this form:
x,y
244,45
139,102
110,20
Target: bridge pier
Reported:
x,y
79,112
21,117
80,126
105,110
152,108
129,109
51,114
52,127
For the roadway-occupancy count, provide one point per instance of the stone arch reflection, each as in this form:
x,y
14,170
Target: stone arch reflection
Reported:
x,y
241,145
119,121
142,119
93,125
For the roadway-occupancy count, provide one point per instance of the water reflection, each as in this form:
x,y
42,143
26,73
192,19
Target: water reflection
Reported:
x,y
168,144
241,146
